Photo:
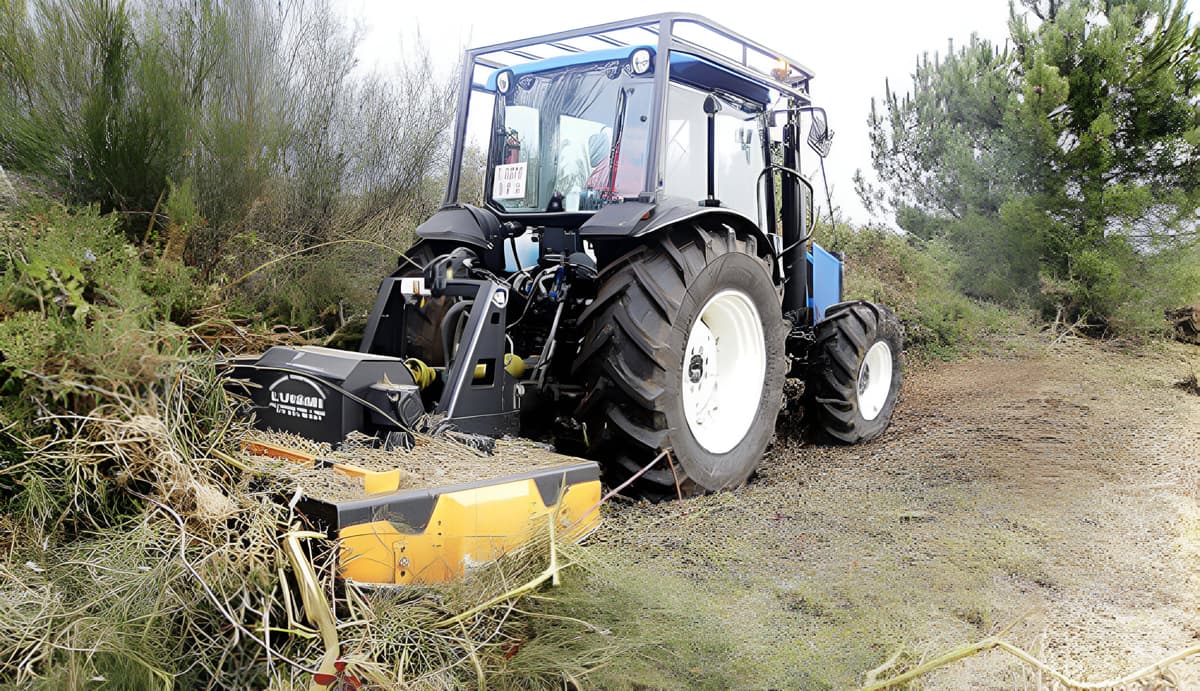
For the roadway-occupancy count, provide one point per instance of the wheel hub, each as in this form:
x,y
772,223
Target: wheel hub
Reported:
x,y
696,368
724,365
874,380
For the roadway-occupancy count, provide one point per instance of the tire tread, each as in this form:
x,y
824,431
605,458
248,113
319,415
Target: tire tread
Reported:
x,y
625,345
842,339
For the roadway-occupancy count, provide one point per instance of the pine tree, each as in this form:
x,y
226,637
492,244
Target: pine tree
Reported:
x,y
1062,165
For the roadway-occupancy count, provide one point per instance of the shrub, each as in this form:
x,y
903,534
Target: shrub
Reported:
x,y
85,313
228,134
916,280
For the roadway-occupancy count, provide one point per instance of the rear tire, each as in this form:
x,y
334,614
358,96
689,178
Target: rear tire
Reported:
x,y
681,333
856,373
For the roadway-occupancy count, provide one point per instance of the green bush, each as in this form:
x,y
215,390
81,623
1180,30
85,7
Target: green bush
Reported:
x,y
228,134
90,103
1154,283
83,310
916,280
1059,165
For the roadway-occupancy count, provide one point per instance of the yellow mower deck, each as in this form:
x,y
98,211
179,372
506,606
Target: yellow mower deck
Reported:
x,y
416,536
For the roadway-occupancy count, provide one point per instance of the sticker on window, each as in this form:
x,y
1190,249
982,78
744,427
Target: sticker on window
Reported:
x,y
509,181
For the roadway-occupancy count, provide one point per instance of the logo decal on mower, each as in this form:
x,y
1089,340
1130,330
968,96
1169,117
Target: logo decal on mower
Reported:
x,y
306,402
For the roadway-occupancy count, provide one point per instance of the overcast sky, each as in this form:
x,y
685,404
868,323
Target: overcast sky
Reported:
x,y
851,45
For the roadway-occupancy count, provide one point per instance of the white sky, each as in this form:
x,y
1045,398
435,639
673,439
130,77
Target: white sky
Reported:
x,y
851,45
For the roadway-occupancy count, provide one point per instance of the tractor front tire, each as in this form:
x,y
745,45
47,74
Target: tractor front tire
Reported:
x,y
855,376
683,349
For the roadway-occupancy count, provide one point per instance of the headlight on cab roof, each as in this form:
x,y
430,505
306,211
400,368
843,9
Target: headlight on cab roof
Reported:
x,y
504,81
641,60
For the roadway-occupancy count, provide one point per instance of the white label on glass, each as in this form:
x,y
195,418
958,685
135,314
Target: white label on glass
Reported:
x,y
509,181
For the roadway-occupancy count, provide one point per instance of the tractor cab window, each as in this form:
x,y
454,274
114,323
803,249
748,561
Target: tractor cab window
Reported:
x,y
739,152
579,131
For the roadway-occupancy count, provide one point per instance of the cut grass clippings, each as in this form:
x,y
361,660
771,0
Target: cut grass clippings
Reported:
x,y
176,575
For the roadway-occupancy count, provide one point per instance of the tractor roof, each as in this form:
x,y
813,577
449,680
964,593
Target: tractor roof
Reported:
x,y
686,68
702,52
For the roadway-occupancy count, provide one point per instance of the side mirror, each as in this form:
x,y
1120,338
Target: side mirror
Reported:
x,y
820,137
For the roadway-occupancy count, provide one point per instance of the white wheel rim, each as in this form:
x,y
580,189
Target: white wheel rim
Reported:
x,y
874,380
724,363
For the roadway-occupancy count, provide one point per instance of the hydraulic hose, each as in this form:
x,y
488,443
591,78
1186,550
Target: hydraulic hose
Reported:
x,y
423,374
449,321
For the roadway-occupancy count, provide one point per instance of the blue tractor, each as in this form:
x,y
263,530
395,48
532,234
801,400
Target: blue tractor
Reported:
x,y
636,274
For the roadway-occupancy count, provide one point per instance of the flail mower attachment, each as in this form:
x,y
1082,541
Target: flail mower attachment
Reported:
x,y
430,535
397,534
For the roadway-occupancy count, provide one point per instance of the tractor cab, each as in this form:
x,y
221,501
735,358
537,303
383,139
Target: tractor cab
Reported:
x,y
663,114
574,132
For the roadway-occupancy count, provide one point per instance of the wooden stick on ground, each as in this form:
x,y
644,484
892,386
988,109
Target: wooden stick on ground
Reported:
x,y
986,644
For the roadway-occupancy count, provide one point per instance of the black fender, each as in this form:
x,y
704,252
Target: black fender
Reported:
x,y
455,225
461,224
639,219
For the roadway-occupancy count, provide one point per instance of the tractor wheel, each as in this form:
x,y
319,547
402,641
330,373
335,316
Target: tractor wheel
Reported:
x,y
683,349
855,376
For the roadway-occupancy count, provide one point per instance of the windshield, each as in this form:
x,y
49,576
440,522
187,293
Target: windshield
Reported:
x,y
580,131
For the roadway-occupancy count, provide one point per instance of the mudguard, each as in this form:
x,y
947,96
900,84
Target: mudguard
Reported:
x,y
461,223
472,225
618,220
456,225
639,219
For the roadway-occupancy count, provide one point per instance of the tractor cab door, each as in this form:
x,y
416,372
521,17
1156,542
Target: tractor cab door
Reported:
x,y
737,159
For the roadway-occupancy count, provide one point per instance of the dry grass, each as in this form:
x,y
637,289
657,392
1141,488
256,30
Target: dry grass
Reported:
x,y
144,553
1189,384
432,462
140,550
1065,482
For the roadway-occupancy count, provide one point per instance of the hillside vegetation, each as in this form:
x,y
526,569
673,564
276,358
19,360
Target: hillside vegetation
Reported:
x,y
226,134
1062,168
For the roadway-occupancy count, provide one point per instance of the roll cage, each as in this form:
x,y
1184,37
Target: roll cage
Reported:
x,y
668,34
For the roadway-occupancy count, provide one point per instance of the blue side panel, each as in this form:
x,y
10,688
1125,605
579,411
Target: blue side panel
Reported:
x,y
826,280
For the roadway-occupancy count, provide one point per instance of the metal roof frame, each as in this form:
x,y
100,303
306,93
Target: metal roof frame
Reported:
x,y
500,55
663,30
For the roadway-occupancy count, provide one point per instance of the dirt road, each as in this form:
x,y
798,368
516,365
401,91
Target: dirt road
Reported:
x,y
1064,482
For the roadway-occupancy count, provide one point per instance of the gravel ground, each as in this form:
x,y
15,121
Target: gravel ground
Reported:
x,y
1058,490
